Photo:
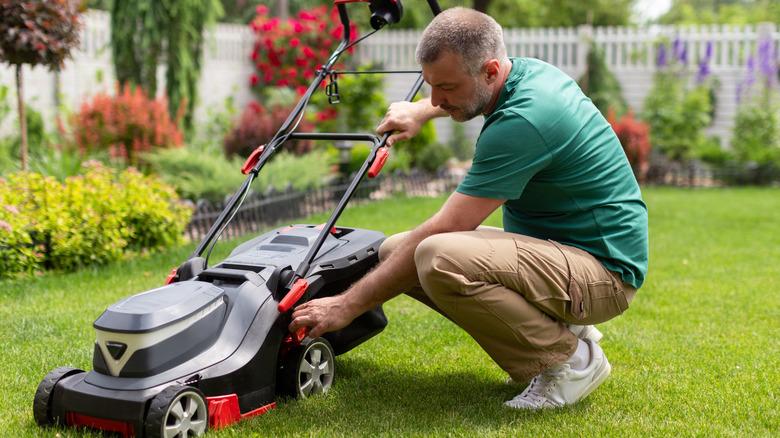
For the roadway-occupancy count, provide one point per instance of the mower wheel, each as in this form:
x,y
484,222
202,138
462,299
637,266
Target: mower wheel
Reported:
x,y
43,395
307,369
177,411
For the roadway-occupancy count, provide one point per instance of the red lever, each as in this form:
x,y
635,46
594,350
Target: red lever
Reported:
x,y
253,158
296,292
379,161
169,279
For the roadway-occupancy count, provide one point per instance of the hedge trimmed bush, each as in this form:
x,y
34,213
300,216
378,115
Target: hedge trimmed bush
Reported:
x,y
89,219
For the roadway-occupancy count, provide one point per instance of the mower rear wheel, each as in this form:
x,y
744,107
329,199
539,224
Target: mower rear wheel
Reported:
x,y
177,412
43,395
308,369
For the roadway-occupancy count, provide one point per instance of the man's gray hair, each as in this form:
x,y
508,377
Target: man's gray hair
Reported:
x,y
475,36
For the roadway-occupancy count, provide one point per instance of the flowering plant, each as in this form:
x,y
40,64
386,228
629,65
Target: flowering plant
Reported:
x,y
287,53
634,136
125,124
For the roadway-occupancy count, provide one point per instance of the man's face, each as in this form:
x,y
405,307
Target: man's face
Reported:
x,y
454,90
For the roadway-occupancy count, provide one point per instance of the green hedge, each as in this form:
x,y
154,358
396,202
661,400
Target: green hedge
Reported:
x,y
88,219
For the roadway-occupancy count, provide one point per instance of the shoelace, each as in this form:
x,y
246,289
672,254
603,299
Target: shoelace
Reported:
x,y
540,385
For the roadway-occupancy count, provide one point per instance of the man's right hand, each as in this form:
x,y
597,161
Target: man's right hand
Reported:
x,y
405,119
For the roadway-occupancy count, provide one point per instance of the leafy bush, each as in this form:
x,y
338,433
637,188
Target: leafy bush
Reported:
x,y
634,136
197,176
677,116
286,53
125,125
88,219
757,131
600,84
38,32
257,126
362,104
433,157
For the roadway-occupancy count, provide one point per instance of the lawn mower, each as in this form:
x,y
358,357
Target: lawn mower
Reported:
x,y
211,346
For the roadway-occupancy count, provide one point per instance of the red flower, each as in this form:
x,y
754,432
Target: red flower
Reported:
x,y
301,90
253,80
255,54
295,42
297,27
261,9
308,52
256,106
282,82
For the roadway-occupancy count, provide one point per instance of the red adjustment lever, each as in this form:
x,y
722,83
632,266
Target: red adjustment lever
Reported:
x,y
300,334
379,161
171,276
296,292
253,158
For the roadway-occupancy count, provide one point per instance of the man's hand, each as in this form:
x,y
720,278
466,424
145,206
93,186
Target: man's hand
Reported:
x,y
322,316
406,119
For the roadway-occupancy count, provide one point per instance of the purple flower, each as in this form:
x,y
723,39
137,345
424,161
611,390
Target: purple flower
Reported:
x,y
766,60
660,60
704,64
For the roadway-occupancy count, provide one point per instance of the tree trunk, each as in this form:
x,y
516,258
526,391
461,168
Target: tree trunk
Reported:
x,y
481,5
22,118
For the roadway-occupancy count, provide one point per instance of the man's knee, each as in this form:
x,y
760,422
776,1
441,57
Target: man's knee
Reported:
x,y
390,244
436,269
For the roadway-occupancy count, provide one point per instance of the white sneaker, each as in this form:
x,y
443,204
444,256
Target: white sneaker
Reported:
x,y
561,385
586,332
580,331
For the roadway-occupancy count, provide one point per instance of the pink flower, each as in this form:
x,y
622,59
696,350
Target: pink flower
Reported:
x,y
297,27
261,9
5,226
12,209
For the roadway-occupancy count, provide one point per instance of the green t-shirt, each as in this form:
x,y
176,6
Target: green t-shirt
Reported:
x,y
550,153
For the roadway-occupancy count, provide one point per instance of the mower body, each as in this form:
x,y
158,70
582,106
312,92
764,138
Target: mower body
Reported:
x,y
219,331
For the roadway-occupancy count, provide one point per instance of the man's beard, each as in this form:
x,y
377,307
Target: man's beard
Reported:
x,y
482,98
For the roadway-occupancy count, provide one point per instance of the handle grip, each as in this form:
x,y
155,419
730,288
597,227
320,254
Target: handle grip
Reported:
x,y
293,295
252,159
379,161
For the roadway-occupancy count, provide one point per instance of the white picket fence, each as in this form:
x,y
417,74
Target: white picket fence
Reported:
x,y
630,52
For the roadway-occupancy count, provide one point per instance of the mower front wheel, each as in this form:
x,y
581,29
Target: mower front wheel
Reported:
x,y
43,395
308,369
177,411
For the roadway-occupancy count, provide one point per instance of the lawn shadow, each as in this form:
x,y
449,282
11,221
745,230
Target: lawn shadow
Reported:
x,y
370,399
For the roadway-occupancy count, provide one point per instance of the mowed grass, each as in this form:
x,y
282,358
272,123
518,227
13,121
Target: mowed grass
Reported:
x,y
697,354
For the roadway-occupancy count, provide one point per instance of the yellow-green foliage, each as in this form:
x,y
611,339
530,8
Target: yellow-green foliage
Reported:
x,y
89,219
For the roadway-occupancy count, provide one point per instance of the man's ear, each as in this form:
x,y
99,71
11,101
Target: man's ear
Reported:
x,y
491,68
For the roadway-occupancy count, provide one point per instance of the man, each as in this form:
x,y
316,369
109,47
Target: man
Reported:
x,y
574,246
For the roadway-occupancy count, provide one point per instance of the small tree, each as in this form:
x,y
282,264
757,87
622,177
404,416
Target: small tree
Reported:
x,y
36,32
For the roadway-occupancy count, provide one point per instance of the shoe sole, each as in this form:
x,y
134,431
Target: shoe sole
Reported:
x,y
601,375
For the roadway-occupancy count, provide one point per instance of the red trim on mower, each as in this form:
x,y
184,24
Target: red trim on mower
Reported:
x,y
81,420
224,411
379,161
296,292
252,159
171,276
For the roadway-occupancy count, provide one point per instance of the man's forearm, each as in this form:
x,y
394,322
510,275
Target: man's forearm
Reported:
x,y
392,277
431,111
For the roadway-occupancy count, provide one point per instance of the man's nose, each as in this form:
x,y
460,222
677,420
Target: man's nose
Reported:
x,y
436,97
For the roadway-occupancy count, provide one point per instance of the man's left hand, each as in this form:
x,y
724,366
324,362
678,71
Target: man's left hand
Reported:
x,y
322,316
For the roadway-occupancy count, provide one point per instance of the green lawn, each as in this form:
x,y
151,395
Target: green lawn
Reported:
x,y
696,355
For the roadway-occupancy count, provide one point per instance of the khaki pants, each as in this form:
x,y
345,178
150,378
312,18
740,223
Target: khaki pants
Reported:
x,y
514,294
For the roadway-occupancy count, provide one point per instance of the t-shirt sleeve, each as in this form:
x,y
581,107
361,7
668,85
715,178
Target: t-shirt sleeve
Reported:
x,y
509,152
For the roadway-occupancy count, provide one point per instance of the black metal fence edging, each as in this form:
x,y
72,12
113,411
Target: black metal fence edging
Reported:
x,y
262,210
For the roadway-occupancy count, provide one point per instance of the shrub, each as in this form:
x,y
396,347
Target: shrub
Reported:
x,y
634,136
257,126
89,219
756,137
362,104
677,117
199,176
600,84
125,125
287,53
433,157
